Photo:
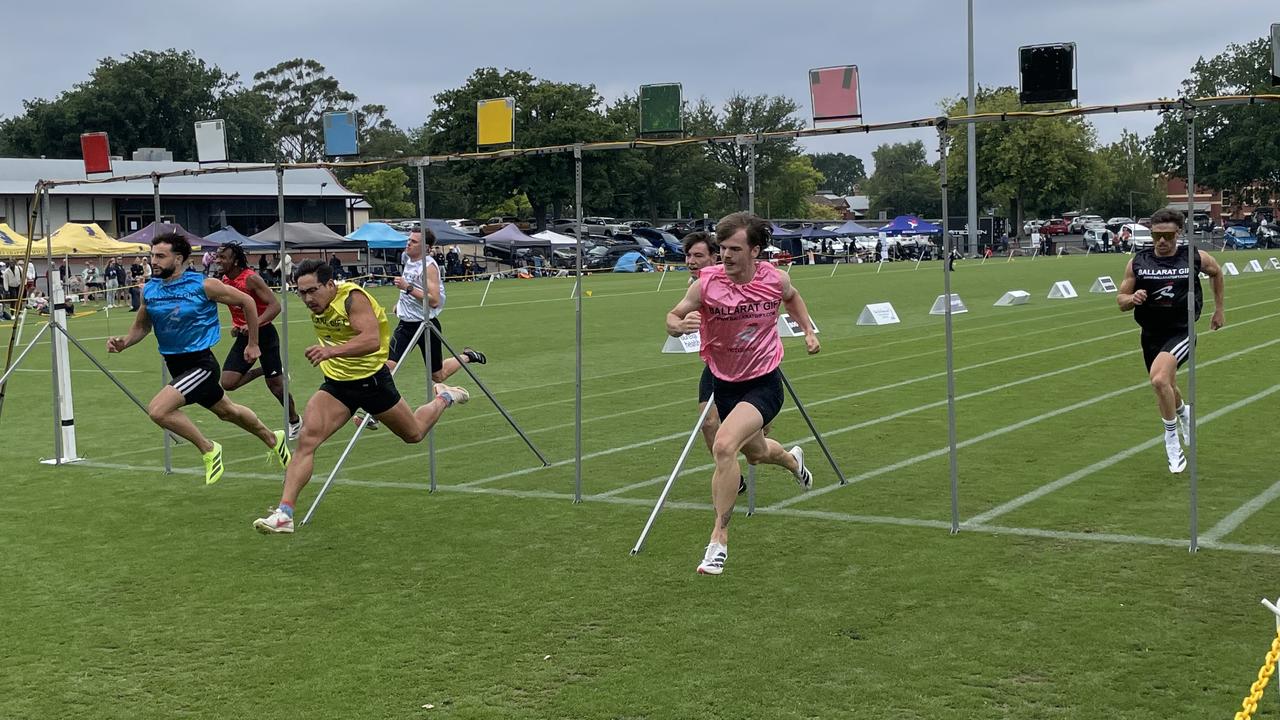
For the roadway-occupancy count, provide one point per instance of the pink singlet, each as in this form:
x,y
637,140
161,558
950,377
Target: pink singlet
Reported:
x,y
739,322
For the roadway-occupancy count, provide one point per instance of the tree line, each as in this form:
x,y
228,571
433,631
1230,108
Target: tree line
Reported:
x,y
151,98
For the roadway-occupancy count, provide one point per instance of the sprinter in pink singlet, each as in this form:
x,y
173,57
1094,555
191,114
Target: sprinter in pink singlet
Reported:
x,y
735,308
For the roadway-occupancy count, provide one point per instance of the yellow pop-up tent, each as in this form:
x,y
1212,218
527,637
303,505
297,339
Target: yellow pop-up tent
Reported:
x,y
76,239
12,242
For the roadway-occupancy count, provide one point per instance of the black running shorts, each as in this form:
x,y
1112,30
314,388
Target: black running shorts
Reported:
x,y
268,343
764,393
1173,342
403,333
196,376
706,384
375,394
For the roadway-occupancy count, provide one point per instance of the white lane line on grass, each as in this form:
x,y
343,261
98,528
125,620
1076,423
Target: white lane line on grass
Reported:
x,y
1108,538
885,418
1008,507
1228,524
1004,430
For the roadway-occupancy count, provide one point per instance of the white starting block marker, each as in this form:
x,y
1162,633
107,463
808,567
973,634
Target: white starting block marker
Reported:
x,y
878,314
940,308
791,328
1253,266
1062,290
1229,269
1014,297
687,343
1274,263
1103,284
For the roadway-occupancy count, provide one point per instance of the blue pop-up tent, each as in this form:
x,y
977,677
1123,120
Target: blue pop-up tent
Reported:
x,y
910,225
380,236
778,232
632,262
853,228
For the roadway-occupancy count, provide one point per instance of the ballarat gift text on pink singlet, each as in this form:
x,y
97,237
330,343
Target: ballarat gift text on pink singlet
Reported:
x,y
739,323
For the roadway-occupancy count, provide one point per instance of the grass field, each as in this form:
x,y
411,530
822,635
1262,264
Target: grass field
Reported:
x,y
1069,592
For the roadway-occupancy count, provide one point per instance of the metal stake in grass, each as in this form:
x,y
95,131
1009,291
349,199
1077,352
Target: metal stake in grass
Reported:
x,y
675,472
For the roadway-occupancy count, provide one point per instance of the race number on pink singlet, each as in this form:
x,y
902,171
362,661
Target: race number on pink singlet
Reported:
x,y
739,323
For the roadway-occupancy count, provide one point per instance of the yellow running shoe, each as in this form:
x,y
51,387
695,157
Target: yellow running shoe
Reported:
x,y
280,453
213,465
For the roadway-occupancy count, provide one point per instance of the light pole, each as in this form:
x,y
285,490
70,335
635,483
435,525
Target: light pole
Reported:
x,y
1131,194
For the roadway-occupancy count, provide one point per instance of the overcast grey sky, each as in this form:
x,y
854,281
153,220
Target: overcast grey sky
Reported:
x,y
910,53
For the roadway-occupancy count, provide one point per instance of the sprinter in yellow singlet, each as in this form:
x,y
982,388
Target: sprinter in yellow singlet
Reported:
x,y
353,344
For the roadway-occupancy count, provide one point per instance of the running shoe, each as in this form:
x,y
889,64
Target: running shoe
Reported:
x,y
280,453
1177,460
1184,425
295,429
742,484
275,523
213,465
474,356
804,478
358,418
457,394
713,560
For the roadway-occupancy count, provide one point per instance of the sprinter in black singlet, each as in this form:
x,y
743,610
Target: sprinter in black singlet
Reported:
x,y
1155,288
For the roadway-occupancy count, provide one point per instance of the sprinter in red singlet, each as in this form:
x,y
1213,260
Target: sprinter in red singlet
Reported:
x,y
734,306
236,373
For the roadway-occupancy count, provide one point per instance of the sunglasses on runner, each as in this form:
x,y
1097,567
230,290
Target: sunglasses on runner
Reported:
x,y
1164,234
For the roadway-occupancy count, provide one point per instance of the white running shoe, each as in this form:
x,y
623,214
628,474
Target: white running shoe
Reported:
x,y
713,560
295,429
803,477
1177,460
276,522
1184,425
459,395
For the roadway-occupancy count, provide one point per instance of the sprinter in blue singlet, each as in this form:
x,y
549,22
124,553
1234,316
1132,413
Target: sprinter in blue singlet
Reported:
x,y
181,306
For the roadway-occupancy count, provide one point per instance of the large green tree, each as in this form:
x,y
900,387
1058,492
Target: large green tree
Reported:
x,y
658,181
1238,147
843,172
1124,180
547,113
301,92
745,115
787,193
904,182
387,190
1041,166
143,99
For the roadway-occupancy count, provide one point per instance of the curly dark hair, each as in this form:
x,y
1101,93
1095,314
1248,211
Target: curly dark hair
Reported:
x,y
237,253
176,241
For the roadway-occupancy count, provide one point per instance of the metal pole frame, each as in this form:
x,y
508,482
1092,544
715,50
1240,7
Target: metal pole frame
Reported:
x,y
577,364
492,398
675,472
164,367
50,270
284,296
356,436
812,428
751,171
1189,116
426,320
952,450
971,154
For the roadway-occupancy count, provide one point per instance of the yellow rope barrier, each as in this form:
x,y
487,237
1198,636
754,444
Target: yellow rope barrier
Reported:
x,y
1250,704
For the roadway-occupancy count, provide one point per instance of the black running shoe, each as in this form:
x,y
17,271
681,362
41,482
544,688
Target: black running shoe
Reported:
x,y
474,356
742,484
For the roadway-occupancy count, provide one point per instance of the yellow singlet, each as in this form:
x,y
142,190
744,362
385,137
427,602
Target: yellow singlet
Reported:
x,y
333,327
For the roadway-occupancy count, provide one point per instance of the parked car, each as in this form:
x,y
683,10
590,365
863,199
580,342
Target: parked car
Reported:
x,y
1139,235
1115,223
605,256
470,227
1098,240
497,223
674,250
1055,226
564,226
1031,226
633,224
1238,237
1202,223
1145,222
1084,222
605,226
